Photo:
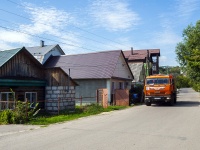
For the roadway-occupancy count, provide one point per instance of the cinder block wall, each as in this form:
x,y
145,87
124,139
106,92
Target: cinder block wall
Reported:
x,y
57,97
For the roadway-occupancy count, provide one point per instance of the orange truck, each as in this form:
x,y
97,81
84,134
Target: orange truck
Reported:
x,y
159,88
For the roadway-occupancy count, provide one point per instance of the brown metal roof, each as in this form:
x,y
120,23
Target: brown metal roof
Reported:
x,y
87,66
140,54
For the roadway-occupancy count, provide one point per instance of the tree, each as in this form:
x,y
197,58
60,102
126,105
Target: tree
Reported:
x,y
174,70
188,54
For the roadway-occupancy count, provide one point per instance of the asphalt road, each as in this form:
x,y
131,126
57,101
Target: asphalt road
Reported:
x,y
157,127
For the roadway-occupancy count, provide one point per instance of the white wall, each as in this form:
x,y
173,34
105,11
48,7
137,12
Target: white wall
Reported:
x,y
53,52
122,70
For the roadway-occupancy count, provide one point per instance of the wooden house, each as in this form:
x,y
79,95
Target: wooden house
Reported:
x,y
21,73
23,77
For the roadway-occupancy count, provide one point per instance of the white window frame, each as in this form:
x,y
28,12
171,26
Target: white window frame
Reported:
x,y
7,98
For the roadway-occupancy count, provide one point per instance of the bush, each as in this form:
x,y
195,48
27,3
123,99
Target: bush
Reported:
x,y
93,109
196,86
182,82
6,117
22,113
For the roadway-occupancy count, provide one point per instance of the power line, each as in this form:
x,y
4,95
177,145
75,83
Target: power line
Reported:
x,y
45,38
55,28
73,26
54,35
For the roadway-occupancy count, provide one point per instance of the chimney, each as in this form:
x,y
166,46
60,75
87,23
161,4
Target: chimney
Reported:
x,y
42,43
131,50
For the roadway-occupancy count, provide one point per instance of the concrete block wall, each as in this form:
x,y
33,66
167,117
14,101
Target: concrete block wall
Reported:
x,y
57,97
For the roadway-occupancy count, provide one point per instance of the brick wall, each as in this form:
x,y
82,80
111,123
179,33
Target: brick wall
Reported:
x,y
122,97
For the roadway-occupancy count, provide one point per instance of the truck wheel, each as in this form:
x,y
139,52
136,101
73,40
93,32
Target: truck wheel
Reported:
x,y
175,98
148,103
172,100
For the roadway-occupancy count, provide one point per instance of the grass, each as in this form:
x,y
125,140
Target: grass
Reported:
x,y
47,119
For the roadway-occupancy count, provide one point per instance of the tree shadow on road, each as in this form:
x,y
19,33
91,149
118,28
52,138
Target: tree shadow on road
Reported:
x,y
187,104
179,104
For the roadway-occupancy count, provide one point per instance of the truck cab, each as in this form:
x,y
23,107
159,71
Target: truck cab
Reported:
x,y
159,88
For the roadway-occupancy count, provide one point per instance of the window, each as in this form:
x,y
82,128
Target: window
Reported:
x,y
6,100
126,85
121,85
158,81
31,97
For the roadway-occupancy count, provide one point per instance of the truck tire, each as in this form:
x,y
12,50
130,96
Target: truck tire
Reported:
x,y
175,98
148,103
171,103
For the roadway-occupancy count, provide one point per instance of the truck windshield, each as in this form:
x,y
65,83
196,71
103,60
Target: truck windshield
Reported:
x,y
157,81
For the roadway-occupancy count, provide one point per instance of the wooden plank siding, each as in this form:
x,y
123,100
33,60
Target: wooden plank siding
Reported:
x,y
22,66
57,77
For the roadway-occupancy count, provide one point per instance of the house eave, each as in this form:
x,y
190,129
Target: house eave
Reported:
x,y
119,78
15,82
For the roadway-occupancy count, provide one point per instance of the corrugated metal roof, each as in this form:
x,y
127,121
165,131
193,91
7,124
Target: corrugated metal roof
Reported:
x,y
7,55
39,50
87,66
140,54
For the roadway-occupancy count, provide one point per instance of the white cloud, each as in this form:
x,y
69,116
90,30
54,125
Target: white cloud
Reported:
x,y
113,15
186,7
45,23
69,42
46,20
5,46
14,37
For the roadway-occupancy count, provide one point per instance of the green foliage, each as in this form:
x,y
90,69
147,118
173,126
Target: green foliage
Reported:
x,y
174,70
24,112
78,113
93,109
6,117
182,81
196,86
188,54
21,114
111,108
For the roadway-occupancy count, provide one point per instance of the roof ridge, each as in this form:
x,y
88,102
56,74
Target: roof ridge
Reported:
x,y
92,53
40,46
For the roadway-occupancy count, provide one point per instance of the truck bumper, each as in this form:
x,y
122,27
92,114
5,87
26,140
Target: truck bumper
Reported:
x,y
156,99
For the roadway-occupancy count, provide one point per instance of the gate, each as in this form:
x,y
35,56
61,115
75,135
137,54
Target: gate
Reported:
x,y
121,97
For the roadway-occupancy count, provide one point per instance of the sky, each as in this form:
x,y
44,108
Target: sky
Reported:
x,y
84,26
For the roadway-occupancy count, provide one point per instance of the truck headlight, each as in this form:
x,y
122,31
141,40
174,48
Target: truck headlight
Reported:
x,y
147,88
